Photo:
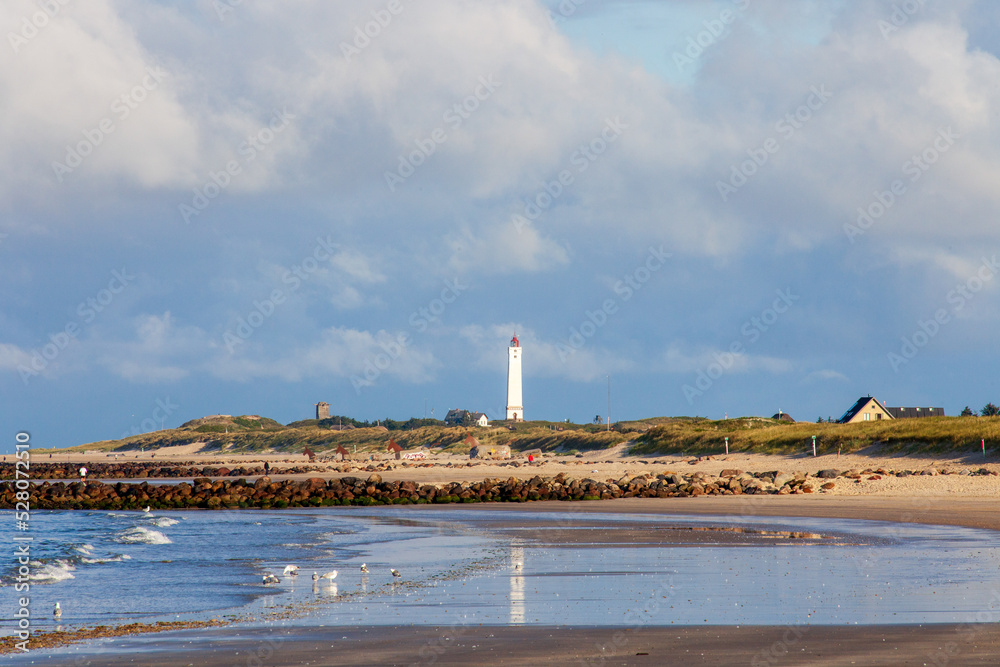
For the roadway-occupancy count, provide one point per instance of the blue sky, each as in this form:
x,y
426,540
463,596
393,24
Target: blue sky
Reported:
x,y
727,207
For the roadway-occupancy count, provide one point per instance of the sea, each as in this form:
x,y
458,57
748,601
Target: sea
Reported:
x,y
460,566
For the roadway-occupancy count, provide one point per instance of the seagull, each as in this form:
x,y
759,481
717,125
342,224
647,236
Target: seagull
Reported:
x,y
57,612
396,574
364,567
270,579
517,565
292,570
148,507
331,575
315,576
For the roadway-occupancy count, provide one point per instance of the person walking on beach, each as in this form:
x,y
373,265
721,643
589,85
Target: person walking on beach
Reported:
x,y
83,473
267,468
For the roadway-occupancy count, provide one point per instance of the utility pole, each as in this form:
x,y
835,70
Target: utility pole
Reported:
x,y
609,403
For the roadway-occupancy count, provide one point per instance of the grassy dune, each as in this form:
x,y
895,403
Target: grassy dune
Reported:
x,y
931,435
249,434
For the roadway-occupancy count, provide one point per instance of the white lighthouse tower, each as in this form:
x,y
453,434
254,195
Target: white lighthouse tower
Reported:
x,y
515,411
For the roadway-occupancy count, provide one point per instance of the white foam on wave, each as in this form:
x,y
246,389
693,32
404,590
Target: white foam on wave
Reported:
x,y
110,559
85,549
164,522
50,573
142,535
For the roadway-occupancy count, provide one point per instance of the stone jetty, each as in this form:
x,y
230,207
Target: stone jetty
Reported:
x,y
264,493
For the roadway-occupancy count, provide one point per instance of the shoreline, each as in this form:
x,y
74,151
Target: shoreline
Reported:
x,y
645,646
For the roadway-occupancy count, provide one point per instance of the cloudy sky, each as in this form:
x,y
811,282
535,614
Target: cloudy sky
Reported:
x,y
725,206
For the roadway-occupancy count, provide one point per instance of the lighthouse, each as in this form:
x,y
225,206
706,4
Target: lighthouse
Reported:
x,y
515,411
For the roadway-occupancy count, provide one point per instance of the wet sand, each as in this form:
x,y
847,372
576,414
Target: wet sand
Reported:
x,y
874,646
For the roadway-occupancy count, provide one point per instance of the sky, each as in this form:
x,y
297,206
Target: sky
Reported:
x,y
712,207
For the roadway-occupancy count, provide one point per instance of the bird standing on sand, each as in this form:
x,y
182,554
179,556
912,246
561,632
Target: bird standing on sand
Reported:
x,y
315,576
364,568
395,574
148,508
331,575
292,570
57,612
270,579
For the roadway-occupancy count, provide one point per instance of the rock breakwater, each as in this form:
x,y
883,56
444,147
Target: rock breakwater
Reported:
x,y
264,493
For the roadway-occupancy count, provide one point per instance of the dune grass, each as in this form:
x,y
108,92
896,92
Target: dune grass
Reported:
x,y
239,435
930,435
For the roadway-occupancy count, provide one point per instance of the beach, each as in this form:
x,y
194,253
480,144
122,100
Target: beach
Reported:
x,y
949,499
880,646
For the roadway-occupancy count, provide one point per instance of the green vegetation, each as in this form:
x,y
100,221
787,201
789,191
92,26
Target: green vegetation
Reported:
x,y
932,435
661,435
253,433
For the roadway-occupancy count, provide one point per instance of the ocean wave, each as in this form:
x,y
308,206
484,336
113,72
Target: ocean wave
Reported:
x,y
117,558
164,522
142,535
85,549
50,573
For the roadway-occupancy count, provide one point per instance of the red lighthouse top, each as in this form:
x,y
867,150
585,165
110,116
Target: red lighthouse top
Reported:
x,y
514,342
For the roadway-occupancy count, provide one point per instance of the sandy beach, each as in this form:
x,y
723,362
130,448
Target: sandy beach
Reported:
x,y
945,497
934,476
530,646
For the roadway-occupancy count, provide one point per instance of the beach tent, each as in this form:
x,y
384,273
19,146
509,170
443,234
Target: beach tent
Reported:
x,y
342,452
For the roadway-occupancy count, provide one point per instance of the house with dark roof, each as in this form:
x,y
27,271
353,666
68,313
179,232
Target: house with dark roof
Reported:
x,y
865,409
457,417
915,413
783,417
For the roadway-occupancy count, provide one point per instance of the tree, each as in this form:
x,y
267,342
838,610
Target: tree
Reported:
x,y
990,410
819,421
967,412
